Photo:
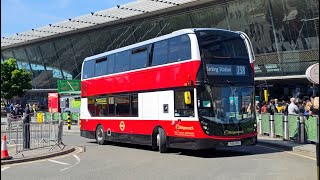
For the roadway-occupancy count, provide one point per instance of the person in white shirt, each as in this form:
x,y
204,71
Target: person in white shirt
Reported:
x,y
293,108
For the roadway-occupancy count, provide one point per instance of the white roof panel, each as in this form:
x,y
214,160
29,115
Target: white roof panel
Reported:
x,y
113,14
147,6
93,19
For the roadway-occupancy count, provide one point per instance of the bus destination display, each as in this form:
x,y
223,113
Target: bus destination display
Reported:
x,y
226,70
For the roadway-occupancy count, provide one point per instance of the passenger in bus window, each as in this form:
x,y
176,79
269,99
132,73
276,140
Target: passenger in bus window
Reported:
x,y
219,113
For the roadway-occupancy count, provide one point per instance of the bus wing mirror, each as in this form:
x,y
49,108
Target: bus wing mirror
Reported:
x,y
187,97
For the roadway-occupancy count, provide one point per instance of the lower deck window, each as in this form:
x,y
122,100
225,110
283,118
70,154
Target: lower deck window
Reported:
x,y
110,106
181,109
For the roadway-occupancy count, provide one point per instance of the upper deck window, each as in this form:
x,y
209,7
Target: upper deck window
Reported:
x,y
139,58
172,50
220,44
179,49
101,67
160,53
111,62
122,62
88,69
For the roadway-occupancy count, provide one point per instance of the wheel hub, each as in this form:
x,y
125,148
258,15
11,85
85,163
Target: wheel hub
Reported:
x,y
158,139
100,135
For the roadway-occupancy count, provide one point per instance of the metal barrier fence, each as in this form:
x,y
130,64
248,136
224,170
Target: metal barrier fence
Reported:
x,y
28,136
47,116
289,127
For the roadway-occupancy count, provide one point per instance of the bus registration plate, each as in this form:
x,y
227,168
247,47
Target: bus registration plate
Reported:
x,y
234,143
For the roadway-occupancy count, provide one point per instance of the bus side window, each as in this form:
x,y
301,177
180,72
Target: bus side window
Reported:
x,y
160,53
185,48
139,58
134,105
179,48
122,62
112,106
111,63
88,69
91,106
101,67
181,109
122,105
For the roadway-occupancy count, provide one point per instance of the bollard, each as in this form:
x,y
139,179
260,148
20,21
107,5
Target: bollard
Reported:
x,y
69,122
317,148
285,129
302,132
272,131
260,125
79,119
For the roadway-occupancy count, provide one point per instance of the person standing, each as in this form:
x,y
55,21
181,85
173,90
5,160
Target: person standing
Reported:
x,y
26,127
257,107
293,108
314,109
271,107
11,108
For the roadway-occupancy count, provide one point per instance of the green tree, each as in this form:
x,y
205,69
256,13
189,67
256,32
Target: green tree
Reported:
x,y
14,81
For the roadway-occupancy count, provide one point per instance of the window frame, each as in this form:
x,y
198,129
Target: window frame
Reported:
x,y
192,100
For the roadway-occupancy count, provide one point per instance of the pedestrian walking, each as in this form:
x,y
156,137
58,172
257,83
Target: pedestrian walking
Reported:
x,y
26,127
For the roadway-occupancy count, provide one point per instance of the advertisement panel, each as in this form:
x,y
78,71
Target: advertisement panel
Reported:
x,y
53,102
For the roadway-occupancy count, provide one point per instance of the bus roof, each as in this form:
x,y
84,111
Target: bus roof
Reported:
x,y
167,36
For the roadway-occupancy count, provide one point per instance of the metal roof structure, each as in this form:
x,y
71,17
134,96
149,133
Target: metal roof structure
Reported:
x,y
124,11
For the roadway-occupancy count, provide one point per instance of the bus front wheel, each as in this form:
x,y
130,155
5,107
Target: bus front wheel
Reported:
x,y
100,135
162,141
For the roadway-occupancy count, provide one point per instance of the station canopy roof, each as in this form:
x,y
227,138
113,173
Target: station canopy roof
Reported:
x,y
119,12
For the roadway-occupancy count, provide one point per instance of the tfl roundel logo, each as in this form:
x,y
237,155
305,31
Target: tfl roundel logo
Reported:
x,y
122,125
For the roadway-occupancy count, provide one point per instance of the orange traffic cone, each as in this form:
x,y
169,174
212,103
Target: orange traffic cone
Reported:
x,y
4,149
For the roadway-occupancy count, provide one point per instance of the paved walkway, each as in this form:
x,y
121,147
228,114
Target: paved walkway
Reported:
x,y
40,153
306,149
35,154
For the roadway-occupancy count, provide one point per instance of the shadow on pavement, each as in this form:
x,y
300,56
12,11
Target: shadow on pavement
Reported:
x,y
206,153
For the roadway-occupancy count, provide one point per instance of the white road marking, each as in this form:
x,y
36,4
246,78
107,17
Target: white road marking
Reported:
x,y
4,168
78,161
58,162
78,150
288,152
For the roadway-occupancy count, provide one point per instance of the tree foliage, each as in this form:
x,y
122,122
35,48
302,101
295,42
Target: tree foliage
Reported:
x,y
14,81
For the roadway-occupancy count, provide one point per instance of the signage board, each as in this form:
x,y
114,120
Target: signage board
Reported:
x,y
312,73
226,70
69,85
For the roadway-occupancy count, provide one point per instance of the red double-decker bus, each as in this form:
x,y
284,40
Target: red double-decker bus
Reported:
x,y
191,89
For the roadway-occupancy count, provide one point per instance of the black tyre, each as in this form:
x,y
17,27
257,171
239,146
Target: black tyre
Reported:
x,y
162,141
100,135
154,146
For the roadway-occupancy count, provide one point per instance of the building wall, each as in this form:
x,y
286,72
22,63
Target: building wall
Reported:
x,y
284,34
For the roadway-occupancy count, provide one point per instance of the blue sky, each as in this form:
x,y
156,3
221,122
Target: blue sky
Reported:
x,y
23,15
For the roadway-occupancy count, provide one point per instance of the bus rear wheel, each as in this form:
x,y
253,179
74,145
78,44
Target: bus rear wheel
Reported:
x,y
100,135
162,141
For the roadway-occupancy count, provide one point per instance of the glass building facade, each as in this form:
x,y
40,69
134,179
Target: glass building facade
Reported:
x,y
284,34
